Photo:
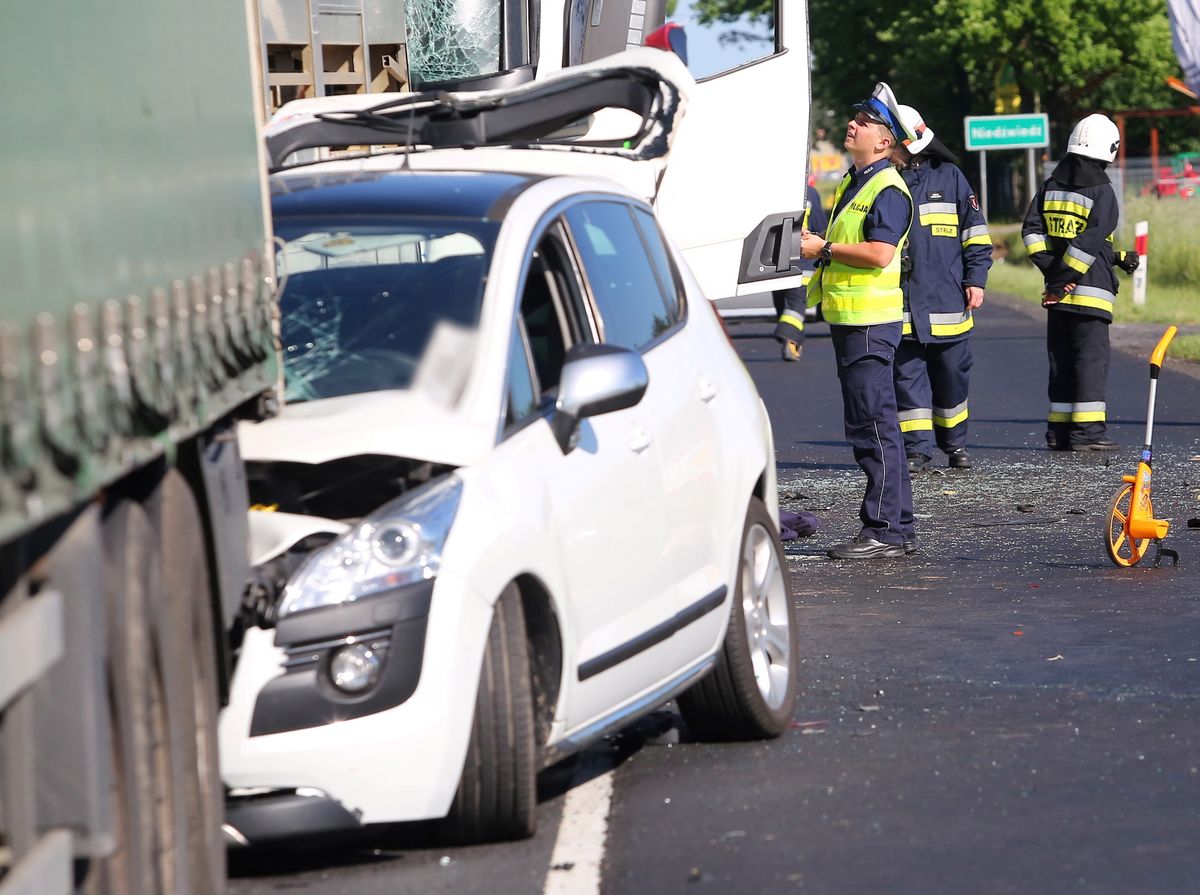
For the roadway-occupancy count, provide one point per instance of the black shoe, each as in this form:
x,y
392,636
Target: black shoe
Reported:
x,y
917,463
791,351
959,458
1100,444
910,547
864,547
1058,445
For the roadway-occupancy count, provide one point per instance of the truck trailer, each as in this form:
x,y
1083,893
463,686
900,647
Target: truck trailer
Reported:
x,y
136,329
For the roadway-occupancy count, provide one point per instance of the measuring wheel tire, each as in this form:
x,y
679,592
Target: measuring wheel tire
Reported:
x,y
751,693
1124,550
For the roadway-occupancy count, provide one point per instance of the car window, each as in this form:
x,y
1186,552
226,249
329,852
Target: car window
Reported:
x,y
523,397
367,308
662,262
543,323
619,271
550,320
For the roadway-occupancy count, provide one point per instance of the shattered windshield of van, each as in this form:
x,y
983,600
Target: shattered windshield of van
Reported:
x,y
369,308
450,40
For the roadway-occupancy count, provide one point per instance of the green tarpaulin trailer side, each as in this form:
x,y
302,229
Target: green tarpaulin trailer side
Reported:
x,y
136,326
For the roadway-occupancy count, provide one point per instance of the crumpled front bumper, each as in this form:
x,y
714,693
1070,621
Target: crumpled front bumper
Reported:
x,y
379,763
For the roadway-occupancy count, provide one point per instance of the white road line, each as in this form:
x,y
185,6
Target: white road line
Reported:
x,y
579,848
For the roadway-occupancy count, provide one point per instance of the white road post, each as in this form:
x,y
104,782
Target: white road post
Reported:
x,y
1141,236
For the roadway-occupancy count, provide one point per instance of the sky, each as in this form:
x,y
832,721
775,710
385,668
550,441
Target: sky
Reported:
x,y
706,55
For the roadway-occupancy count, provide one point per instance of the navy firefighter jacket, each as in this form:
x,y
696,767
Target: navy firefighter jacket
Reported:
x,y
1068,234
949,247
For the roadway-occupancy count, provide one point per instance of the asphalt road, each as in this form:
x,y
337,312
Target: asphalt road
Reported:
x,y
1004,712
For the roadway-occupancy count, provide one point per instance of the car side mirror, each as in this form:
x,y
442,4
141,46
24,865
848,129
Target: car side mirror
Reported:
x,y
595,379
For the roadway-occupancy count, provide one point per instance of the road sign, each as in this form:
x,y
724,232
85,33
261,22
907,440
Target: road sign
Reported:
x,y
1006,131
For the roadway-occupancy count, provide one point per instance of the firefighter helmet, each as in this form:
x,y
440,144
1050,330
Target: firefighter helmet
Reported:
x,y
915,124
1095,137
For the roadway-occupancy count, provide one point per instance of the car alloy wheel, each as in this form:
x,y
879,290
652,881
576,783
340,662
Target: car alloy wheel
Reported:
x,y
751,692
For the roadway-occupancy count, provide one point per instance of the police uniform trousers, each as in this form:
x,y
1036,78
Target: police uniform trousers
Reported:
x,y
1077,345
865,355
789,313
931,394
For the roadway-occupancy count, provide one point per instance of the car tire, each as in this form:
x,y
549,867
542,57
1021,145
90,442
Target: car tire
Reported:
x,y
751,693
497,793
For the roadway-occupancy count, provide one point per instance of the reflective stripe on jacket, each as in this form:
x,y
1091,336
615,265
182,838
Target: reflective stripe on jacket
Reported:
x,y
949,247
1068,234
860,296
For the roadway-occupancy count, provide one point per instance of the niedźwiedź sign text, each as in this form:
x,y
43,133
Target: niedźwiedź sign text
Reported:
x,y
1007,131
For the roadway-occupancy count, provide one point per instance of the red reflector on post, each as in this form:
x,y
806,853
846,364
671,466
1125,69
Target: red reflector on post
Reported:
x,y
1141,237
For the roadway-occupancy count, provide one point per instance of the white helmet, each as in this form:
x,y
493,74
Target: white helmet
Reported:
x,y
1095,137
915,124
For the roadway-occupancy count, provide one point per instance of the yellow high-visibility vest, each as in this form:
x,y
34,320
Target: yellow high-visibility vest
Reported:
x,y
861,296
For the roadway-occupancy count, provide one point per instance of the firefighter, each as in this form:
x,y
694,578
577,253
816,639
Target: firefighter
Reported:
x,y
1068,234
858,286
790,303
949,255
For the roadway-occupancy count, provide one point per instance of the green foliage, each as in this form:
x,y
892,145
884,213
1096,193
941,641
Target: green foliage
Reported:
x,y
1186,347
1165,303
729,11
1174,223
1068,58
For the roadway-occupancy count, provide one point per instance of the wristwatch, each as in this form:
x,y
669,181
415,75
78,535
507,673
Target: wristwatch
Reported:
x,y
826,254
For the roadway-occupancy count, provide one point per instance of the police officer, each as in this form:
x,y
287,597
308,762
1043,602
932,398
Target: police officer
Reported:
x,y
1068,234
949,255
791,303
858,287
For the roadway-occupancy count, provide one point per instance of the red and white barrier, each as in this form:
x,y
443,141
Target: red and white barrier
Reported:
x,y
1141,238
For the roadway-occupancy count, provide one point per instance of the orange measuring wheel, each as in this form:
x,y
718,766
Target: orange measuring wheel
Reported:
x,y
1131,523
1123,548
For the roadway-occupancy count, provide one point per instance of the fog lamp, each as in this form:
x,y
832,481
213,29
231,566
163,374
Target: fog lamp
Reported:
x,y
355,668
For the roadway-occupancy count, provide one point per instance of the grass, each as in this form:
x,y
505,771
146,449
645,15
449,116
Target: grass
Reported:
x,y
1173,285
1173,227
1186,347
1164,304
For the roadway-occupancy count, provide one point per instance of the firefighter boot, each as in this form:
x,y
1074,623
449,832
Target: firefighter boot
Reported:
x,y
959,458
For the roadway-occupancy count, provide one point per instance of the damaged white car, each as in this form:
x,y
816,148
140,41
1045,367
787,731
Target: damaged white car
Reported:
x,y
523,489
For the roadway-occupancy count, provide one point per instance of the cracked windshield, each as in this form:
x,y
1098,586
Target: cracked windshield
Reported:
x,y
375,308
449,40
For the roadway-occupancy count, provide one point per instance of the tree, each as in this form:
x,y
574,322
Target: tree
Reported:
x,y
1068,57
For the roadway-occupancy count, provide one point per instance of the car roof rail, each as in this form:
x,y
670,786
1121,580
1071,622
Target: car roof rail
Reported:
x,y
644,81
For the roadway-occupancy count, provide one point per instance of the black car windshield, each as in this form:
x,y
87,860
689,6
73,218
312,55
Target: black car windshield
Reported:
x,y
392,306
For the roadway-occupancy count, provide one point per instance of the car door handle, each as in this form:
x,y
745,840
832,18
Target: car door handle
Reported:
x,y
707,390
639,440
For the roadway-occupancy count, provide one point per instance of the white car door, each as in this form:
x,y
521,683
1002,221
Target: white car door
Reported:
x,y
735,178
603,496
671,624
697,549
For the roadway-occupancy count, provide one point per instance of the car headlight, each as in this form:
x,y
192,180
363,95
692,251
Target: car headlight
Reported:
x,y
400,543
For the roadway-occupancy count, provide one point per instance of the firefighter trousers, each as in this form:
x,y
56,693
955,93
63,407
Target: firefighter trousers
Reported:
x,y
1078,349
789,313
931,394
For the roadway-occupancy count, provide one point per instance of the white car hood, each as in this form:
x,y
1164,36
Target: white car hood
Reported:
x,y
388,423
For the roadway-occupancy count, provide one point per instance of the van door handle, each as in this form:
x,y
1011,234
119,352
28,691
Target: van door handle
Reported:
x,y
640,440
707,390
